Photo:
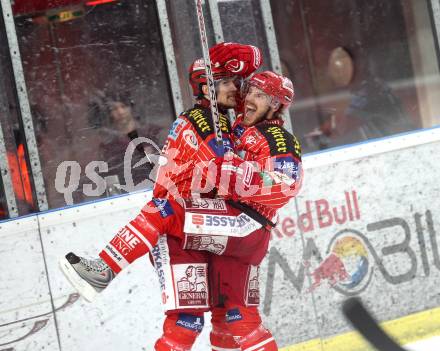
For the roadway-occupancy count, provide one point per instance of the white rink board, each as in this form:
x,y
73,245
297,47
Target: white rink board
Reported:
x,y
391,188
393,191
122,316
25,308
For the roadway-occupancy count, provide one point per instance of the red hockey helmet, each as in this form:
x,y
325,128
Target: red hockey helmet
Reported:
x,y
197,75
278,87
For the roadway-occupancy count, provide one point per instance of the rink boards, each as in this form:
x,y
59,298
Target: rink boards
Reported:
x,y
366,223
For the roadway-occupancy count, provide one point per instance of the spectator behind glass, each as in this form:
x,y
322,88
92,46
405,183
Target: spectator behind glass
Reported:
x,y
112,114
371,110
378,111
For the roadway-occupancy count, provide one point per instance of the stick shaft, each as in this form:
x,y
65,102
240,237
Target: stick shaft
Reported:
x,y
209,76
361,319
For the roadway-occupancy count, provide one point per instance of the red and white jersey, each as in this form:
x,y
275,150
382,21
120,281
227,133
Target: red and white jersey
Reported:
x,y
277,153
189,149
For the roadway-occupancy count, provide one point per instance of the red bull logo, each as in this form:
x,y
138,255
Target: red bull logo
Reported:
x,y
320,213
331,269
347,265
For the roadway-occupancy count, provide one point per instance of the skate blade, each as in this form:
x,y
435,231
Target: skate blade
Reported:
x,y
83,288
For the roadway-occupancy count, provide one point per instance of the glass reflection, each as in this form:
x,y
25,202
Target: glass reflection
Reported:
x,y
96,76
358,68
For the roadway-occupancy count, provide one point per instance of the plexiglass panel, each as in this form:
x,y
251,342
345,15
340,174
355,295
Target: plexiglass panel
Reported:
x,y
361,69
16,191
96,76
242,22
186,40
4,212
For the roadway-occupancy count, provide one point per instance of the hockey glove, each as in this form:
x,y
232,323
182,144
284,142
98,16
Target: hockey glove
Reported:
x,y
237,58
235,177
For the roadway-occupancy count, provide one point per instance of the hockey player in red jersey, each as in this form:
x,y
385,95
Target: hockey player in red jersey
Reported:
x,y
270,176
258,134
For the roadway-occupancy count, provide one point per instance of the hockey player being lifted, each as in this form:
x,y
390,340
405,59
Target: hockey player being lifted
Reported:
x,y
271,147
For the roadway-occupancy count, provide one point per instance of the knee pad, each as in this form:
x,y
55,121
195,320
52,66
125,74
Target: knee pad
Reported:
x,y
244,323
220,336
180,331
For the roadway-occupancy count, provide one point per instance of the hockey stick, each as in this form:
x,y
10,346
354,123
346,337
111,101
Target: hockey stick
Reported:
x,y
365,324
209,77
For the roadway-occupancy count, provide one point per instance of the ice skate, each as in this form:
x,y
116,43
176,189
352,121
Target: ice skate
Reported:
x,y
88,277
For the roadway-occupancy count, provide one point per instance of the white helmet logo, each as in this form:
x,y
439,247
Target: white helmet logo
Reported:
x,y
235,66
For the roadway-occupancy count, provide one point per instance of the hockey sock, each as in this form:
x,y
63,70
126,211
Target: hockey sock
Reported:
x,y
245,324
132,241
180,331
220,336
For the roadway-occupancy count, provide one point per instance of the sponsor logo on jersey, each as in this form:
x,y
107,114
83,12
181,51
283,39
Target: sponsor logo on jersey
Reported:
x,y
219,151
253,288
125,241
221,221
279,177
225,126
205,204
233,315
198,219
227,145
200,121
114,253
280,140
176,128
164,207
239,130
248,174
161,259
190,322
287,165
212,243
297,147
191,139
251,140
212,224
191,284
279,137
159,265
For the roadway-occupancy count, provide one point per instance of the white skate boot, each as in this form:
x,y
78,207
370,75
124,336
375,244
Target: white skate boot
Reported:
x,y
88,277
